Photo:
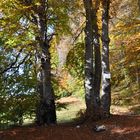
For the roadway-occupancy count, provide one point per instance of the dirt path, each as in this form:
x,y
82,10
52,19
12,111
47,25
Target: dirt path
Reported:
x,y
118,128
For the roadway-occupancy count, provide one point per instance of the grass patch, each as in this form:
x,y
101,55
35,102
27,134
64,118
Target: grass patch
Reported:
x,y
70,113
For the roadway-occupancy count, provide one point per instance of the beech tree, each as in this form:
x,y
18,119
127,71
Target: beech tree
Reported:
x,y
46,112
93,68
35,23
97,58
106,86
92,62
88,57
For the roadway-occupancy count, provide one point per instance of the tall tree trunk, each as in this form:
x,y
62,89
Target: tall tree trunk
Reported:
x,y
97,56
92,96
46,111
88,57
106,86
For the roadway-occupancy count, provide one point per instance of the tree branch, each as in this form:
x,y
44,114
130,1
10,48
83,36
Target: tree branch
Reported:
x,y
12,65
78,33
23,60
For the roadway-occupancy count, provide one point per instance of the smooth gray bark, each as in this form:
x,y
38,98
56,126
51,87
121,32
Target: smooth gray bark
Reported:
x,y
88,57
92,68
106,86
46,112
97,61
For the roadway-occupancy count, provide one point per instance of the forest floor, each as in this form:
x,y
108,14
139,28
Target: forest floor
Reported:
x,y
118,127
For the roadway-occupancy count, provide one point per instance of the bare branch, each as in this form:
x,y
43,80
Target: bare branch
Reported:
x,y
78,33
23,60
12,65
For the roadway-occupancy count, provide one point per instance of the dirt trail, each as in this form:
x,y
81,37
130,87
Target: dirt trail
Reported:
x,y
119,127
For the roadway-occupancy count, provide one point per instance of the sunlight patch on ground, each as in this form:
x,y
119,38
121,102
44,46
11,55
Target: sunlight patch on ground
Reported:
x,y
74,105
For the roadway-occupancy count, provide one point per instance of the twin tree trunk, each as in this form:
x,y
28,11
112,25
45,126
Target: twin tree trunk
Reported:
x,y
96,106
92,75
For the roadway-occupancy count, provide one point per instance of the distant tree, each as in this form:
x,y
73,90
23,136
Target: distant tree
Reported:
x,y
125,34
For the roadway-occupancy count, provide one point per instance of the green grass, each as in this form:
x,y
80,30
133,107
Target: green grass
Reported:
x,y
70,113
